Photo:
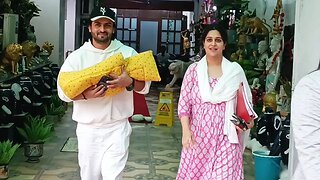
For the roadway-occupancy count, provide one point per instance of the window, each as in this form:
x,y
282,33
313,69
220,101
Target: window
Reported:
x,y
127,31
170,35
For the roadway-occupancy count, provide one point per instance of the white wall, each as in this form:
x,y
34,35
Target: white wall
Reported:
x,y
69,38
306,48
49,26
307,38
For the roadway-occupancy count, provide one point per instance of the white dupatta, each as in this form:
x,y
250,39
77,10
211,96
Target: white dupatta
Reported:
x,y
224,91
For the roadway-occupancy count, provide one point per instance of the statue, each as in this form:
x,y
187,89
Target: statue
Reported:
x,y
241,52
29,48
263,55
273,64
177,69
13,54
256,27
186,42
30,34
278,18
256,91
47,48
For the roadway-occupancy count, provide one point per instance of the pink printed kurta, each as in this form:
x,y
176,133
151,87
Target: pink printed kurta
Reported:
x,y
212,157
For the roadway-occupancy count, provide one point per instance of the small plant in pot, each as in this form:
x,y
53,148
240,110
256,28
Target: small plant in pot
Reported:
x,y
57,103
7,150
36,132
54,113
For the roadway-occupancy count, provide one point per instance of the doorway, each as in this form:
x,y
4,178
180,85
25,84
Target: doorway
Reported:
x,y
148,36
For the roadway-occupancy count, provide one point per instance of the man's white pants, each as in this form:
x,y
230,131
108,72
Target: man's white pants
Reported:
x,y
103,152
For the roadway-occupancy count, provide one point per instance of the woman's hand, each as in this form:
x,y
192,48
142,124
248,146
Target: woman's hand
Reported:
x,y
187,139
249,124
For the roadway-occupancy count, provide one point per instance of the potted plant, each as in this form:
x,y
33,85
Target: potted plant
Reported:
x,y
36,132
7,150
54,113
57,105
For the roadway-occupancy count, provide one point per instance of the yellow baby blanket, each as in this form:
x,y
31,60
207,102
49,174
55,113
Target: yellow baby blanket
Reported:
x,y
141,67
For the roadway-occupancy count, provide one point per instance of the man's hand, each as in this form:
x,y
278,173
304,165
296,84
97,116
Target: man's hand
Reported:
x,y
124,80
94,92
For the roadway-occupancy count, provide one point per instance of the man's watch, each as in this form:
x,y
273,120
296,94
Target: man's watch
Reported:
x,y
131,86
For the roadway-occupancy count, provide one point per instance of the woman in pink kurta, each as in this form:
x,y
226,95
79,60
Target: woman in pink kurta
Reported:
x,y
210,153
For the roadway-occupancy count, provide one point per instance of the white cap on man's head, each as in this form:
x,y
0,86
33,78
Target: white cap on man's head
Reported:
x,y
99,12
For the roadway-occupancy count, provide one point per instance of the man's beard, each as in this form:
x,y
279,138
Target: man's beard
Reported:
x,y
106,39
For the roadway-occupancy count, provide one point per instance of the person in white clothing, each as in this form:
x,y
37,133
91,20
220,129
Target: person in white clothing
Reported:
x,y
305,124
103,129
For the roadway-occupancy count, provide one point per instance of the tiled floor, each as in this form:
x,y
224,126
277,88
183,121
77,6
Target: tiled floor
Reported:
x,y
154,152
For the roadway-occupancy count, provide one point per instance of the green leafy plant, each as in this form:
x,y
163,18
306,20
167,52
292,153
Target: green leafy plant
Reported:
x,y
37,130
57,107
7,150
56,101
55,110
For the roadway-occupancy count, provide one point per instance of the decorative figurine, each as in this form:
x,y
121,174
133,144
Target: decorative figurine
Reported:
x,y
29,48
177,69
186,42
47,47
263,55
256,27
13,54
273,64
278,18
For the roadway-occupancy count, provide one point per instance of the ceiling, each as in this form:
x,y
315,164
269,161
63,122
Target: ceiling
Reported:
x,y
173,5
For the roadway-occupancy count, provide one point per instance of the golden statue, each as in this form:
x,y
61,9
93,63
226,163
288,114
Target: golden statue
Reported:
x,y
270,100
186,42
256,27
47,47
13,53
29,48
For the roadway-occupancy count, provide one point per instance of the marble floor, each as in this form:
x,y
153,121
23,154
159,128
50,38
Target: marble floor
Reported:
x,y
153,154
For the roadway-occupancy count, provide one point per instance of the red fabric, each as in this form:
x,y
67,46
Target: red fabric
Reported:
x,y
140,105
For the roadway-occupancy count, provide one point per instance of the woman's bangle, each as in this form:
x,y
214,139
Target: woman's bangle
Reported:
x,y
84,97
